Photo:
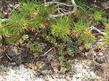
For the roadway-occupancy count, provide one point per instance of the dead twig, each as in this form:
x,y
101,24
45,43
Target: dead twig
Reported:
x,y
59,3
47,51
94,28
66,13
8,57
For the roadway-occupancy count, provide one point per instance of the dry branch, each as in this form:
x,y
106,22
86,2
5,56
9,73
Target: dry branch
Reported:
x,y
94,28
65,13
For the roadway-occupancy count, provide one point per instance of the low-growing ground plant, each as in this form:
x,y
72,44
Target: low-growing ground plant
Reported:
x,y
31,26
105,38
61,28
84,33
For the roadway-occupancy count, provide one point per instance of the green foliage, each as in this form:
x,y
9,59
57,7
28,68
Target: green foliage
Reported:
x,y
106,37
36,47
31,26
14,28
61,27
35,12
97,14
1,14
80,26
87,38
30,15
17,22
84,34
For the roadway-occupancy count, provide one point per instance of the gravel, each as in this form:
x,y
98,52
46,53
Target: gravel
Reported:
x,y
81,71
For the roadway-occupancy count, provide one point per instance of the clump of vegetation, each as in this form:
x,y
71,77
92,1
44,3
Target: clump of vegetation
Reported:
x,y
30,25
61,28
30,15
84,33
105,38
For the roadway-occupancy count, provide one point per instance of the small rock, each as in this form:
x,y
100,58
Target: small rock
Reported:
x,y
93,76
100,54
100,60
